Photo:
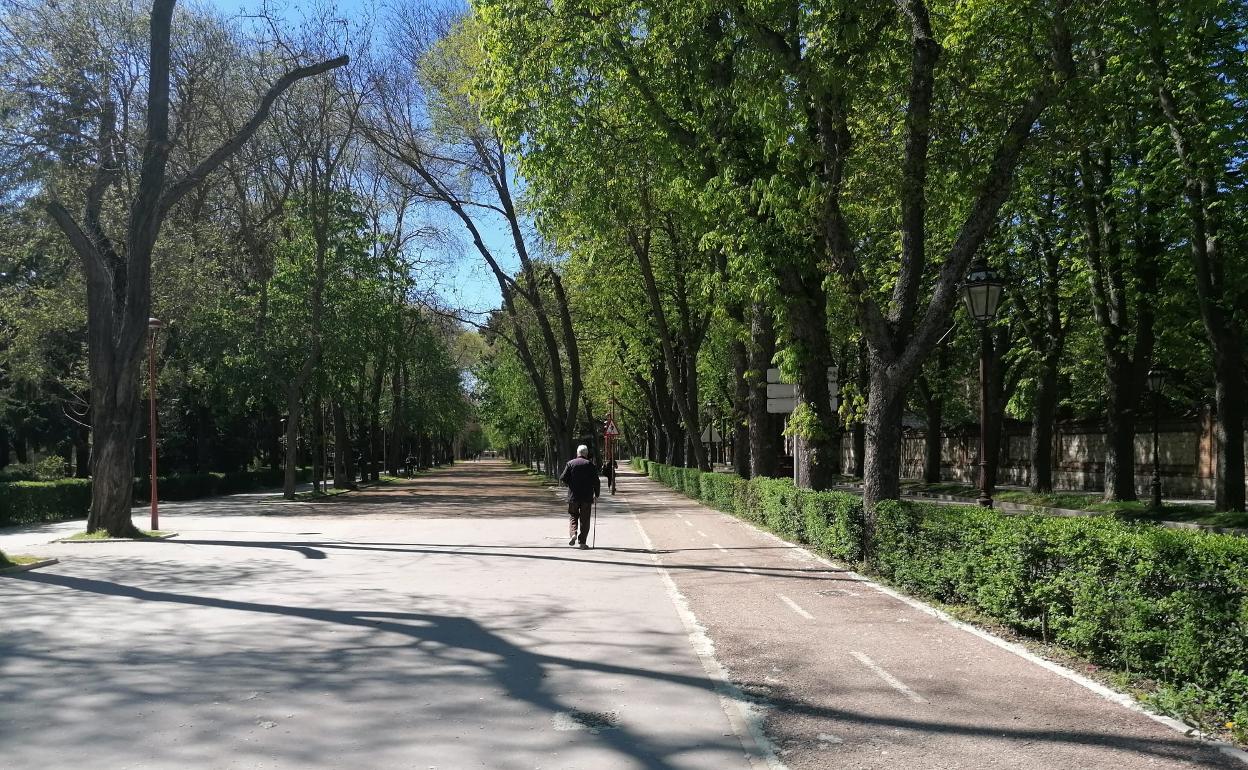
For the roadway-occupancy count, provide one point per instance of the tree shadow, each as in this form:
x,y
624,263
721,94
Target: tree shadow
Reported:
x,y
318,549
521,674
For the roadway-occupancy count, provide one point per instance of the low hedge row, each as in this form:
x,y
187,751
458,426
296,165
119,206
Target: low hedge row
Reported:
x,y
1171,605
33,502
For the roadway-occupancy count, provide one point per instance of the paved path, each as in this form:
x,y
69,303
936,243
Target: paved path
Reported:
x,y
445,623
441,623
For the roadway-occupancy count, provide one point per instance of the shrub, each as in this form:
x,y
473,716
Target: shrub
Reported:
x,y
832,523
1169,604
719,490
32,502
779,509
50,468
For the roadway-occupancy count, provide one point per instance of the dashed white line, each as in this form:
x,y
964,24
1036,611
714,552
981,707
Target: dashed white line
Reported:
x,y
688,523
700,532
892,681
720,547
741,564
795,607
680,516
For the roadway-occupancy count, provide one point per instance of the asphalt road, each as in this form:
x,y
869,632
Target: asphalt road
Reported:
x,y
445,623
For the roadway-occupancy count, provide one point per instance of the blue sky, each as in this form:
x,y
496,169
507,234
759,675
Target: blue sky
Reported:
x,y
465,282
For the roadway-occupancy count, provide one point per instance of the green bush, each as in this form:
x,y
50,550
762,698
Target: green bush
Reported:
x,y
1169,604
780,510
720,490
832,523
32,502
51,468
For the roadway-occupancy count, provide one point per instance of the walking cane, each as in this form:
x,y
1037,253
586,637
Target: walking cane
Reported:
x,y
593,541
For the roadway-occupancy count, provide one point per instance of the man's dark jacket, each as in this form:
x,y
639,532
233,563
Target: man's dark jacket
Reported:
x,y
581,478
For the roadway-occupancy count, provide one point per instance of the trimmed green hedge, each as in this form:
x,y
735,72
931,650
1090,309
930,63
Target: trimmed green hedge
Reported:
x,y
33,502
1169,604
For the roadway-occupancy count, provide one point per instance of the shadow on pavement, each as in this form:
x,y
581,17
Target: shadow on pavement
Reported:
x,y
520,673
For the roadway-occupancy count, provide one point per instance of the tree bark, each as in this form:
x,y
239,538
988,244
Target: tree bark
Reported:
x,y
882,461
763,445
740,425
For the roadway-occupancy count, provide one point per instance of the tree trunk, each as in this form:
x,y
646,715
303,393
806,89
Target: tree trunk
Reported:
x,y
116,421
1042,426
343,476
740,425
1229,389
1121,398
882,459
763,445
294,405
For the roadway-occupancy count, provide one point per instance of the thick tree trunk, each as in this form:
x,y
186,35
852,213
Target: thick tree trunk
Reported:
x,y
882,459
1121,398
763,445
1229,389
115,409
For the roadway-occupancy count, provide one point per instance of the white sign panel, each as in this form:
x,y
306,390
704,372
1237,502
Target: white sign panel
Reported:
x,y
781,405
781,390
773,375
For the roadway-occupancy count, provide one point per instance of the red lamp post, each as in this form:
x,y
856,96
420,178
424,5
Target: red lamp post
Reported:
x,y
153,326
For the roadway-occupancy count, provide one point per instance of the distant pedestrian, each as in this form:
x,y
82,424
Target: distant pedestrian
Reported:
x,y
609,469
580,476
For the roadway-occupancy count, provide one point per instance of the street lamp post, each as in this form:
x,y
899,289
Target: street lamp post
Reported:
x,y
1156,380
982,294
153,327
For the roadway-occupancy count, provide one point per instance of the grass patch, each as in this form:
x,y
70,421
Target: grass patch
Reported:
x,y
102,535
18,560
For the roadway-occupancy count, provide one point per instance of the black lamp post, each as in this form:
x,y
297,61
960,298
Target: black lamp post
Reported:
x,y
982,294
1156,380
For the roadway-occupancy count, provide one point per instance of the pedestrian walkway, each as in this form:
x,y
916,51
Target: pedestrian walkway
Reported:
x,y
442,622
852,676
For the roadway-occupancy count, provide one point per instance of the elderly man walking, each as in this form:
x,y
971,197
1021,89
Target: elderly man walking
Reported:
x,y
581,478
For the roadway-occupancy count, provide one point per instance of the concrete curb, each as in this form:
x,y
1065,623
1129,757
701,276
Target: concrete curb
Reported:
x,y
165,536
27,567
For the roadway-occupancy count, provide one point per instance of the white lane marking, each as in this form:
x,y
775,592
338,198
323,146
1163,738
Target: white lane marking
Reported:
x,y
893,681
741,564
720,547
688,523
794,606
700,532
680,516
746,719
